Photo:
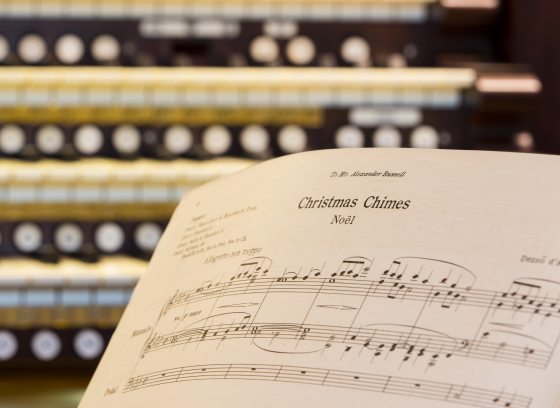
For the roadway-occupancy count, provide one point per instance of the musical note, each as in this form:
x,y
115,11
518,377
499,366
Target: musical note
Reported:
x,y
354,267
252,268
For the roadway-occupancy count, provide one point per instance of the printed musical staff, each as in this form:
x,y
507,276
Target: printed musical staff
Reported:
x,y
358,381
412,343
443,295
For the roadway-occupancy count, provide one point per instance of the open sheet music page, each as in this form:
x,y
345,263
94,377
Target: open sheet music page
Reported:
x,y
370,277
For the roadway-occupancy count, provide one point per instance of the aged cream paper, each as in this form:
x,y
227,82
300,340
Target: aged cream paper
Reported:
x,y
347,278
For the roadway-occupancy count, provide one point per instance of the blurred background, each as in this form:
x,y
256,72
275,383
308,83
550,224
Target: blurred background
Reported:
x,y
111,109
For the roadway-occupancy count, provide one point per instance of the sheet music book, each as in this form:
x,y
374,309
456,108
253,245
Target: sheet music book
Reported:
x,y
364,277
